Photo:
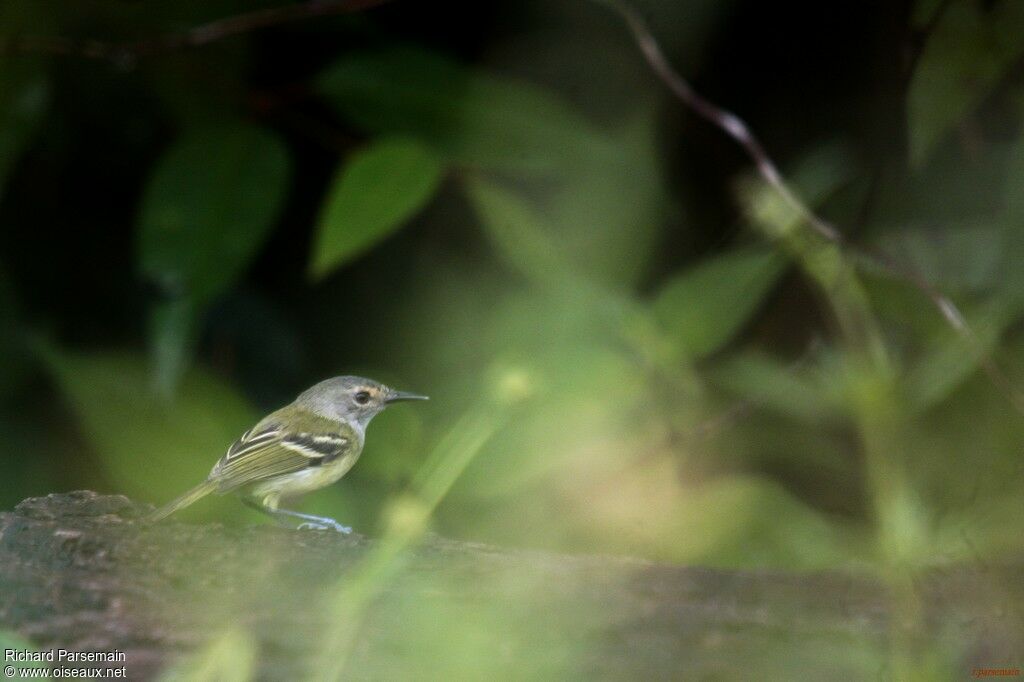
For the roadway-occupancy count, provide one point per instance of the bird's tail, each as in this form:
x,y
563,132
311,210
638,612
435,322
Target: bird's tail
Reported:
x,y
200,491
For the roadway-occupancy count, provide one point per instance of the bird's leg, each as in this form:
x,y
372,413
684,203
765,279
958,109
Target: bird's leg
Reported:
x,y
283,515
314,522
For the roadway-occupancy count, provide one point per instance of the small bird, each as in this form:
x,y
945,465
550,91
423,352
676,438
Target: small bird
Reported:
x,y
297,449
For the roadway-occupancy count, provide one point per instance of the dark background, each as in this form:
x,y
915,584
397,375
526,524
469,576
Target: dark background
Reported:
x,y
784,438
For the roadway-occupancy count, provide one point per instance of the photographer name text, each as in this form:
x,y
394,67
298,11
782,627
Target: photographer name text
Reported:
x,y
63,656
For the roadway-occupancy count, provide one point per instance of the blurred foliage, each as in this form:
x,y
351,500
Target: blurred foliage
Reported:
x,y
23,98
726,290
229,658
205,212
971,47
112,398
10,641
521,210
473,117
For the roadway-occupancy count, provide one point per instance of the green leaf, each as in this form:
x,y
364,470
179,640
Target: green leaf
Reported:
x,y
208,208
968,53
601,197
24,95
704,307
206,211
470,116
606,242
608,213
377,190
518,231
150,448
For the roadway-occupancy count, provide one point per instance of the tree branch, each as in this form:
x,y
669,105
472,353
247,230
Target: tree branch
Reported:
x,y
127,53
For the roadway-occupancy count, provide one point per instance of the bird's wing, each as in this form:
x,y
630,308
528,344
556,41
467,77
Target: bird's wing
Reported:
x,y
266,451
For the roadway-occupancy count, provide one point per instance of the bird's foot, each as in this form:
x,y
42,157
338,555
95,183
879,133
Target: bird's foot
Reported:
x,y
325,524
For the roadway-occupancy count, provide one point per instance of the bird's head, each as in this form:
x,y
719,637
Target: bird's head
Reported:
x,y
350,399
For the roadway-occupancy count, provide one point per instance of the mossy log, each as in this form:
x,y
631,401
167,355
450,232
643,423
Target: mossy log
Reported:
x,y
79,571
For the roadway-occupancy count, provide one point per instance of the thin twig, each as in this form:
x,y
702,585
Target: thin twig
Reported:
x,y
733,126
129,52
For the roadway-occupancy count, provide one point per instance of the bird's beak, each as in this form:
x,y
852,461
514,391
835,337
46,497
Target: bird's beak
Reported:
x,y
399,396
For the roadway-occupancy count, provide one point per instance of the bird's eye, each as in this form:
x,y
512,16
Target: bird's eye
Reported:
x,y
362,398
